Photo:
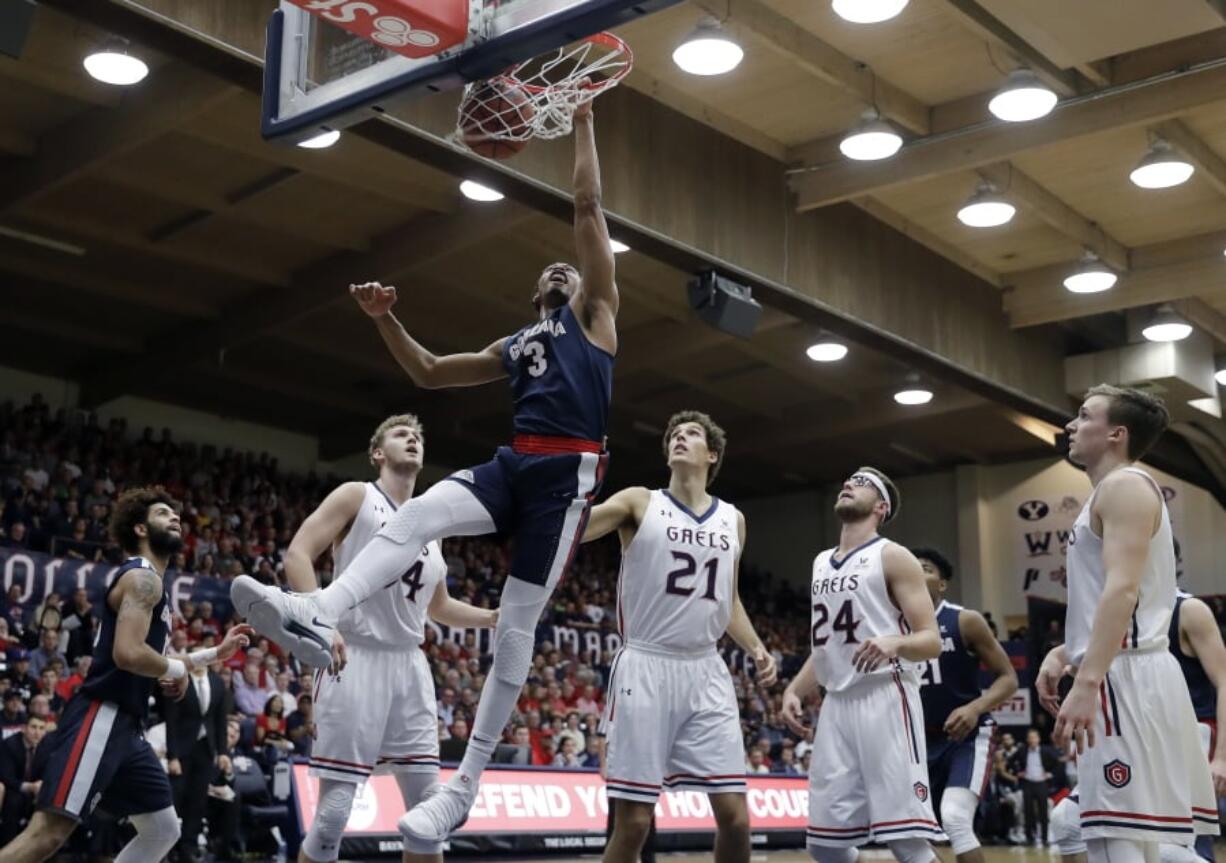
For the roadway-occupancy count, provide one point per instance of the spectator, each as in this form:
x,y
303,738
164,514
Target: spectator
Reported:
x,y
453,748
446,705
80,624
270,727
301,725
14,712
20,768
1035,765
19,674
195,735
566,756
223,805
286,689
573,732
250,696
48,649
69,685
591,753
48,686
786,764
588,702
755,761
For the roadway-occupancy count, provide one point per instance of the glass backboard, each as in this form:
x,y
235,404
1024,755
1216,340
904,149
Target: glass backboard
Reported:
x,y
320,76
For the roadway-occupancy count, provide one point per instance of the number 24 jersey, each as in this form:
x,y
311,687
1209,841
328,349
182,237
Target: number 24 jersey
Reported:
x,y
675,589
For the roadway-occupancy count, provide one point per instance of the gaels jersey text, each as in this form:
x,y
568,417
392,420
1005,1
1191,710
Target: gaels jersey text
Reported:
x,y
676,582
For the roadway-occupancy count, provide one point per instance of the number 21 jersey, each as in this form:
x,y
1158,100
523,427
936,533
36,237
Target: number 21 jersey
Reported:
x,y
675,587
394,617
851,604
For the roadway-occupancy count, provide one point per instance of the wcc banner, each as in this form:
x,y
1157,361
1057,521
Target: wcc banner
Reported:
x,y
519,811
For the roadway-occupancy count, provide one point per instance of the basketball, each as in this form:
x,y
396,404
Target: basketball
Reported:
x,y
495,117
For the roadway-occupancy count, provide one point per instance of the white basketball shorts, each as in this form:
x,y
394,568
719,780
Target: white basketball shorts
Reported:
x,y
868,774
378,715
672,722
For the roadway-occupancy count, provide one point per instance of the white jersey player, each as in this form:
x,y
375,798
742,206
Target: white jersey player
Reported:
x,y
375,710
1142,777
872,622
671,716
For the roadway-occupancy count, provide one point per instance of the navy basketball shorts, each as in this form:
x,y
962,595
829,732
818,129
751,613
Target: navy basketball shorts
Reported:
x,y
100,755
960,763
542,500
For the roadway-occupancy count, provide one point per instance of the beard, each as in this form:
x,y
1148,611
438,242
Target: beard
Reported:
x,y
163,543
850,511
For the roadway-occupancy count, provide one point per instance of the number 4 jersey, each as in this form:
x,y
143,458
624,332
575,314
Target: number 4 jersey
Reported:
x,y
396,615
676,582
851,604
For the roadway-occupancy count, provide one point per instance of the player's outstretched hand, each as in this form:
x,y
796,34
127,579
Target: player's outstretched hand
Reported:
x,y
238,636
1075,719
764,670
374,299
876,652
340,654
794,713
584,109
1054,667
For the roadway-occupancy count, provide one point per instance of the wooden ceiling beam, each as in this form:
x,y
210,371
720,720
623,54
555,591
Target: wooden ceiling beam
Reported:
x,y
168,100
823,60
1212,167
972,147
878,210
1019,187
1039,296
987,26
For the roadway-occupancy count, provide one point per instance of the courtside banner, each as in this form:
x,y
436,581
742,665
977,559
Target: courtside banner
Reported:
x,y
540,810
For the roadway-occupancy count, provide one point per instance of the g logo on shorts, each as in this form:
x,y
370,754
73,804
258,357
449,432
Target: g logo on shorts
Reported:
x,y
1117,773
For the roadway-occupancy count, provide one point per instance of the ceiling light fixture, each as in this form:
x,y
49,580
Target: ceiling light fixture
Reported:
x,y
477,192
826,351
1161,167
868,11
871,139
1023,97
112,64
1167,326
321,141
1092,276
708,50
913,396
986,208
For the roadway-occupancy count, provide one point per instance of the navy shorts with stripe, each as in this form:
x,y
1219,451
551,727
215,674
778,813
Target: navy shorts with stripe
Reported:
x,y
541,500
100,757
960,763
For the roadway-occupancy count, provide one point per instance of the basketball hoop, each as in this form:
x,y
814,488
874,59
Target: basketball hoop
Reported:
x,y
538,98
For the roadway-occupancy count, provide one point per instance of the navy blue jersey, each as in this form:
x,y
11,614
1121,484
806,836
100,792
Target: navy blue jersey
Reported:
x,y
562,383
952,679
107,681
1200,687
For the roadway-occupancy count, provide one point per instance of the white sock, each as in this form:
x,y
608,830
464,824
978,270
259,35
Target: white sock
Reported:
x,y
447,509
518,613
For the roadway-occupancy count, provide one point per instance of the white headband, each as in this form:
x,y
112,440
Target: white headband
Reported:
x,y
880,486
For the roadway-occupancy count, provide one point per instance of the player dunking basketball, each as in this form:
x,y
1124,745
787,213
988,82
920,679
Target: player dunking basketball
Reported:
x,y
538,489
671,717
956,721
382,667
99,755
1142,777
872,622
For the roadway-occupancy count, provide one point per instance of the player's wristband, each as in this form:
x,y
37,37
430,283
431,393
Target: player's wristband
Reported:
x,y
201,658
176,669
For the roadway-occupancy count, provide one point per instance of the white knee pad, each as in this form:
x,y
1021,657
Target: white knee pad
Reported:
x,y
156,834
912,850
958,807
323,841
833,854
414,788
1064,827
512,655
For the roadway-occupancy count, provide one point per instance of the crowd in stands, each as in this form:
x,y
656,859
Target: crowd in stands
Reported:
x,y
59,473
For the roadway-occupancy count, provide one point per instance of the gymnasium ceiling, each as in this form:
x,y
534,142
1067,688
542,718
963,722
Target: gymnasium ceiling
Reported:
x,y
198,265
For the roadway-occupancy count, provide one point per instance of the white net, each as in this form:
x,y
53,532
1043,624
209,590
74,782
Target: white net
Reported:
x,y
538,98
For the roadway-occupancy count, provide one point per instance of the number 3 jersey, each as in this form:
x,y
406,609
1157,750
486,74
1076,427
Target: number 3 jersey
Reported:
x,y
675,590
396,615
851,604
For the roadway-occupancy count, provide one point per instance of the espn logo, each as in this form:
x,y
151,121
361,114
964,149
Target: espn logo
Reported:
x,y
414,28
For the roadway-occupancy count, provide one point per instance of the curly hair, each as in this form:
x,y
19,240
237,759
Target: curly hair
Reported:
x,y
132,509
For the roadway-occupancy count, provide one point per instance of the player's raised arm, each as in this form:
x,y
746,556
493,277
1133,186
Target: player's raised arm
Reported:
x,y
449,611
596,301
426,369
320,529
1129,507
621,512
740,627
1205,638
979,638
